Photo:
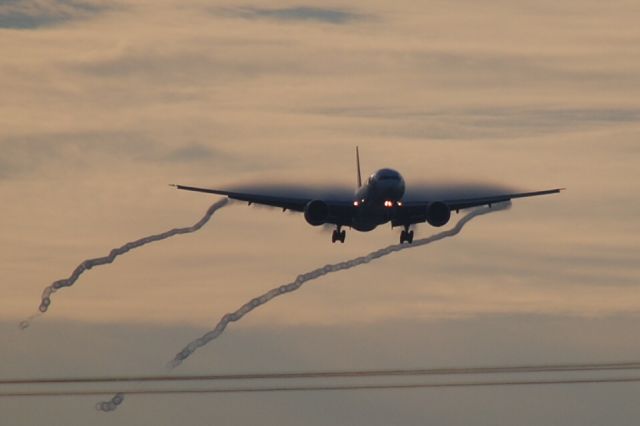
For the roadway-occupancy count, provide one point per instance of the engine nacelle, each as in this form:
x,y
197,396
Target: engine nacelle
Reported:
x,y
316,212
438,214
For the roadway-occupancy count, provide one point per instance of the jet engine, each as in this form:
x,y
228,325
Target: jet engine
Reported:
x,y
438,214
316,212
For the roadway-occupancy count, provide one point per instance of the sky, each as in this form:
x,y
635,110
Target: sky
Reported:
x,y
105,103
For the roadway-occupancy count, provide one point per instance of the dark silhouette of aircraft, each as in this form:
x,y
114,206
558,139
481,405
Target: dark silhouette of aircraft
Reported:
x,y
376,202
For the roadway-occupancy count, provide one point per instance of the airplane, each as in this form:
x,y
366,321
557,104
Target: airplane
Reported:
x,y
376,202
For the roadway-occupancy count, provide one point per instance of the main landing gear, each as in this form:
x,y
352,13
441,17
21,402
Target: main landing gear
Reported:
x,y
406,235
338,235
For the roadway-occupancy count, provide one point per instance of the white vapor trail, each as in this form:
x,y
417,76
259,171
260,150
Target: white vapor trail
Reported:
x,y
117,399
188,350
111,404
90,263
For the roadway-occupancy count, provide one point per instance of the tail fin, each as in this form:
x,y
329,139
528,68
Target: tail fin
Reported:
x,y
358,163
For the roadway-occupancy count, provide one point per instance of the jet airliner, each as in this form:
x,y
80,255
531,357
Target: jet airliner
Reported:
x,y
376,202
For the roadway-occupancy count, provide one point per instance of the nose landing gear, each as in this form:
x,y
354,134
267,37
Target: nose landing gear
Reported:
x,y
338,235
406,235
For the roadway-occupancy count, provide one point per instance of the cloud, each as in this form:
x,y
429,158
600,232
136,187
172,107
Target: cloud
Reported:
x,y
33,153
20,20
43,13
295,14
487,122
189,67
25,154
193,152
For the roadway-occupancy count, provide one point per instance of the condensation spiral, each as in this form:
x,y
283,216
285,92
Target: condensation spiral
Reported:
x,y
252,304
45,301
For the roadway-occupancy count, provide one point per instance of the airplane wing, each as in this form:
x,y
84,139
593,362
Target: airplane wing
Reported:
x,y
341,210
415,210
460,204
296,204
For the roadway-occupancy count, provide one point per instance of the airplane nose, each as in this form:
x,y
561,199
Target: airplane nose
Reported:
x,y
391,190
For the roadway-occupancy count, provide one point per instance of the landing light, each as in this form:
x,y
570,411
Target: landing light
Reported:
x,y
399,203
356,203
388,203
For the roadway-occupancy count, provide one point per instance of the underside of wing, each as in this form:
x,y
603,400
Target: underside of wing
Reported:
x,y
337,211
295,204
460,204
436,212
341,212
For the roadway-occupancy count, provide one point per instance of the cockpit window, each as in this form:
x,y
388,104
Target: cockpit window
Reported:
x,y
389,177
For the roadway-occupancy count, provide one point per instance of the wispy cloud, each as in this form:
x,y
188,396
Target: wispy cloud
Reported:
x,y
29,153
488,122
297,13
25,15
193,152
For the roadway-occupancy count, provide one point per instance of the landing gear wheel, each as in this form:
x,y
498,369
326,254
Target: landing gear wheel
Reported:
x,y
406,236
338,236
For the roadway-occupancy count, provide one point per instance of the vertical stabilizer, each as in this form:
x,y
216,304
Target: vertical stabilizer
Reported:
x,y
358,163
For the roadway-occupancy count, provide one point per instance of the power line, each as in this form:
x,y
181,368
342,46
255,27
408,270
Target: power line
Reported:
x,y
397,386
540,368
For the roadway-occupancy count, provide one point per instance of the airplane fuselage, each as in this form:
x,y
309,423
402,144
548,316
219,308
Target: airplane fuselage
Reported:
x,y
377,199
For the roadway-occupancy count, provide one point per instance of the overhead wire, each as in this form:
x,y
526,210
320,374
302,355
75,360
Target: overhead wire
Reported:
x,y
445,371
352,387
